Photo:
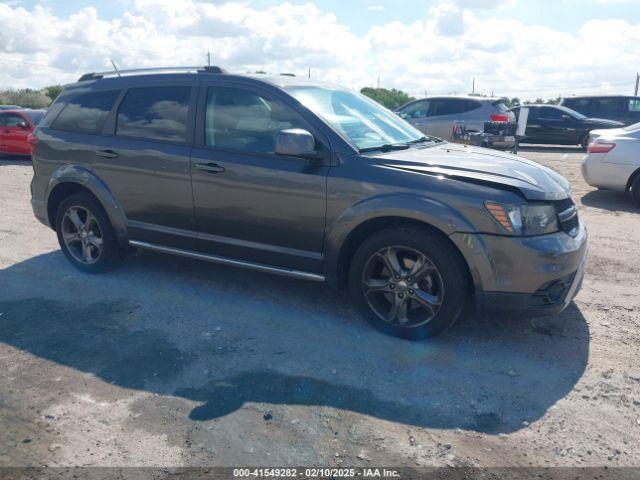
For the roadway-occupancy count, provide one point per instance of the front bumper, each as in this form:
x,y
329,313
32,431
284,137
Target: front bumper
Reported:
x,y
525,275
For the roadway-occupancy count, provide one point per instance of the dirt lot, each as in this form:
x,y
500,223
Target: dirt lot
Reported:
x,y
171,362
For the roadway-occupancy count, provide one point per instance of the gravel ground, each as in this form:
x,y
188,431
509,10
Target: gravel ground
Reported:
x,y
170,362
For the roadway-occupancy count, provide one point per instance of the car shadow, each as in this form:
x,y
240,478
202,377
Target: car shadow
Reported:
x,y
609,200
225,337
14,159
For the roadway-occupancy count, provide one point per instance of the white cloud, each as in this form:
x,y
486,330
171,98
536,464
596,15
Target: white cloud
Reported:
x,y
376,8
441,51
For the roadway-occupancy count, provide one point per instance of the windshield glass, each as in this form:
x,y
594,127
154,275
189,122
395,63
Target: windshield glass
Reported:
x,y
633,128
362,121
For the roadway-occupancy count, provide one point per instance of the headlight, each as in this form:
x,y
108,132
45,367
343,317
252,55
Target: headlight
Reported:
x,y
532,219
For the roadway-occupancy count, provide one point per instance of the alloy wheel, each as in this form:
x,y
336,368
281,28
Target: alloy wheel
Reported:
x,y
402,286
82,235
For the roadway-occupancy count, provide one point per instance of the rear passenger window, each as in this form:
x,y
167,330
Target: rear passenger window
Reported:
x,y
156,113
242,120
634,106
86,113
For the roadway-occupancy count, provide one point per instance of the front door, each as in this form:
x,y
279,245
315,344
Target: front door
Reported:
x,y
14,136
251,203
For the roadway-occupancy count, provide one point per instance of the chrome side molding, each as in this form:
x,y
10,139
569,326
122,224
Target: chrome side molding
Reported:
x,y
229,261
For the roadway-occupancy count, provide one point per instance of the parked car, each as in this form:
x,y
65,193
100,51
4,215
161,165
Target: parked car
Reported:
x,y
613,160
15,127
10,107
625,109
441,116
557,125
308,180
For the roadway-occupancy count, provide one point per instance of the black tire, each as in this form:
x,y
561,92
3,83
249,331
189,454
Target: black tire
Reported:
x,y
584,143
635,190
103,250
448,284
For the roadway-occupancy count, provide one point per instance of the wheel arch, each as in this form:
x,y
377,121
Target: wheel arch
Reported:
x,y
69,180
354,226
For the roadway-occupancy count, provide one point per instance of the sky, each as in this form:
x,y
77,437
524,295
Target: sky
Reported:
x,y
515,48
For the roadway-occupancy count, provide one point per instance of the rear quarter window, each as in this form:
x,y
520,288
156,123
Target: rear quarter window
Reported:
x,y
84,113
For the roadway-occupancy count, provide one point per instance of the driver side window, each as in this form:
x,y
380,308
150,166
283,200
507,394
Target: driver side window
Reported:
x,y
242,120
12,121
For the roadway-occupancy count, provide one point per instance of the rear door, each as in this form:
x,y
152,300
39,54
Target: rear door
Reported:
x,y
251,203
145,161
444,114
14,136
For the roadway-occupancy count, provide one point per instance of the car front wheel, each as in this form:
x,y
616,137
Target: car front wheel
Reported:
x,y
409,282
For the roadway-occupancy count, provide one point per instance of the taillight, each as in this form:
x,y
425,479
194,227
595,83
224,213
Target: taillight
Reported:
x,y
600,147
33,141
499,117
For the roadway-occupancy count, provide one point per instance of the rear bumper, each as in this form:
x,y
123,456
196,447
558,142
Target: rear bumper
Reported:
x,y
534,275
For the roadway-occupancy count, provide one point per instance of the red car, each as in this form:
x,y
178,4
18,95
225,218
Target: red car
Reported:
x,y
15,127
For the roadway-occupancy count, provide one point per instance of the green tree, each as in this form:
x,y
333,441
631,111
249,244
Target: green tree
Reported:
x,y
53,91
391,99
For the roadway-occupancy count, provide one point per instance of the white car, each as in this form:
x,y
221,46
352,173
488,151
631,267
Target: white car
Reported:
x,y
613,160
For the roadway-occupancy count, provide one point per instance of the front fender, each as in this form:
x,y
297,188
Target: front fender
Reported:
x,y
420,208
88,179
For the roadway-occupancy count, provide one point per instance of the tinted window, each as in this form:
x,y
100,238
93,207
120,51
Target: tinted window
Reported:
x,y
446,107
35,117
156,113
86,113
550,113
610,105
416,110
471,105
241,120
11,120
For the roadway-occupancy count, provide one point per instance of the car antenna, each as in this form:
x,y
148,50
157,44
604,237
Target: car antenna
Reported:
x,y
114,66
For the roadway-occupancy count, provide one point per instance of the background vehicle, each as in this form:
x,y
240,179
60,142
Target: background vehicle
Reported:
x,y
438,116
308,180
625,109
10,107
557,125
15,127
613,160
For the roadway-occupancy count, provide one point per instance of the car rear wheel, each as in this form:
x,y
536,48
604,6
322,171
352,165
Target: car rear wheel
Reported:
x,y
585,142
86,235
409,282
635,190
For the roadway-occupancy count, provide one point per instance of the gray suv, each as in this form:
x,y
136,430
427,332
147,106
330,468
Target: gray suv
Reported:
x,y
308,180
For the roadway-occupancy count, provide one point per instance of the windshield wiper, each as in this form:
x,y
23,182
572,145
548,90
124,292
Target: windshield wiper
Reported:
x,y
426,139
387,147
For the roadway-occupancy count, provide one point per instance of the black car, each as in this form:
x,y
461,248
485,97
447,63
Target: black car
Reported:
x,y
558,125
625,109
299,178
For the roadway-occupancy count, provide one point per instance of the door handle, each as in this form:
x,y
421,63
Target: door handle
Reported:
x,y
210,167
107,154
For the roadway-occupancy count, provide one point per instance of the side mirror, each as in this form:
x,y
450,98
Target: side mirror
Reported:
x,y
23,125
296,142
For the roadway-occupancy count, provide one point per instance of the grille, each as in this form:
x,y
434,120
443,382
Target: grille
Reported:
x,y
568,215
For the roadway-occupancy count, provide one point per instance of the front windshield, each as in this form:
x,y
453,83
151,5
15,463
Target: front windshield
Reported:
x,y
632,128
362,121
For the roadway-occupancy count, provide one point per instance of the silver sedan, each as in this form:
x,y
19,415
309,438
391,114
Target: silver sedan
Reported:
x,y
613,160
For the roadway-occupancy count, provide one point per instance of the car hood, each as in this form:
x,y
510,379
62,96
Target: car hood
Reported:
x,y
480,165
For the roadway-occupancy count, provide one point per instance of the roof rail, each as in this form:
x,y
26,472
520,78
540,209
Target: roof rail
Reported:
x,y
135,71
